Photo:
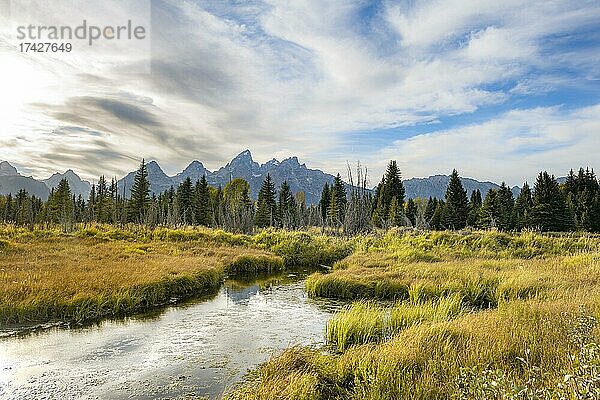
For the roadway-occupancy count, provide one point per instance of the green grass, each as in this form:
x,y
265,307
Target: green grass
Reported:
x,y
366,322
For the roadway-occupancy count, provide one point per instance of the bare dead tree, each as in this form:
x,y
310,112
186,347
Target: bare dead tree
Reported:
x,y
358,211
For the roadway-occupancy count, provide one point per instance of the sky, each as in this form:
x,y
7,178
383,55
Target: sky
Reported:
x,y
498,90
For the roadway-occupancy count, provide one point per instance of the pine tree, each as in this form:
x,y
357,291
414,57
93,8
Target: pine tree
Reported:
x,y
411,212
9,210
338,191
456,209
439,215
430,211
506,204
522,209
79,209
23,208
325,200
395,213
333,213
266,213
102,201
286,207
475,204
184,198
389,188
202,202
580,191
140,195
550,211
489,213
60,205
90,211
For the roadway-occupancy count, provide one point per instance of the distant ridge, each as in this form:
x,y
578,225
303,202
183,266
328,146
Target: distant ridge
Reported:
x,y
435,186
11,182
298,175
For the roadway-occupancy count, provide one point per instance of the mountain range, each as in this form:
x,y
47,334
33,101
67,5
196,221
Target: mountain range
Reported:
x,y
299,176
435,186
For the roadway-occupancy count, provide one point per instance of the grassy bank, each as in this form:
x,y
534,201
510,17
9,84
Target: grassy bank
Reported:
x,y
101,271
451,316
78,278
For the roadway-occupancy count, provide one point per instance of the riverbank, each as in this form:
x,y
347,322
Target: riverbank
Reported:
x,y
100,272
195,349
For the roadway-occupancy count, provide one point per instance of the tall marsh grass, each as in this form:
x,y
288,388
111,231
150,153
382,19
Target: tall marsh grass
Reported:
x,y
481,315
528,343
82,277
366,322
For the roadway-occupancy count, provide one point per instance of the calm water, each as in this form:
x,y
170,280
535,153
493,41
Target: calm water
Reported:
x,y
200,348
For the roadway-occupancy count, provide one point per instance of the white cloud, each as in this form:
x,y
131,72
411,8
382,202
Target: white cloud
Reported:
x,y
514,146
278,77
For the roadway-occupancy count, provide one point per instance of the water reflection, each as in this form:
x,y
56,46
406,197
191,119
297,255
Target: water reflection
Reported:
x,y
198,348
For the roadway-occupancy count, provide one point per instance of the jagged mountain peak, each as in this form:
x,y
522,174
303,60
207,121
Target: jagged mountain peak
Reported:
x,y
291,160
195,164
244,156
153,164
272,161
6,169
78,186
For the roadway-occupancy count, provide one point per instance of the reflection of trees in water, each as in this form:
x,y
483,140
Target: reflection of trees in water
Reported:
x,y
241,294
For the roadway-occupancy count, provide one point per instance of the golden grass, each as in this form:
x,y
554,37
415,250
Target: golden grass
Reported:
x,y
366,322
482,282
512,327
81,278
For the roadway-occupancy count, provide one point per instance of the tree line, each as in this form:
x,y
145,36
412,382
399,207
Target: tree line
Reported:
x,y
351,209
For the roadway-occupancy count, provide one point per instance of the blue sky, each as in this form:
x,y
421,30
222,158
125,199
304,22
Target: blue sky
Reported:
x,y
498,90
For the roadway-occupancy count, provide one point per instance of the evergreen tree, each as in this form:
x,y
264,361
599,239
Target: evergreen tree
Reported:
x,y
79,212
523,206
60,205
286,207
411,212
489,213
202,202
325,200
266,213
334,218
91,205
395,213
580,191
430,210
456,209
23,209
550,211
140,195
338,191
102,201
475,204
184,199
438,215
595,213
389,188
9,209
506,204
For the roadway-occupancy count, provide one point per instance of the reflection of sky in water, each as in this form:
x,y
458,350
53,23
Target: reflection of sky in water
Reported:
x,y
198,348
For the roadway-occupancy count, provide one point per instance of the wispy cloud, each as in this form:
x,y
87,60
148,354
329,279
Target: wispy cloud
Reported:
x,y
300,78
514,146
